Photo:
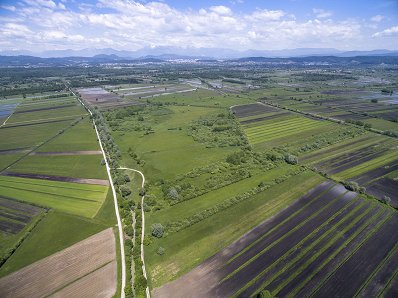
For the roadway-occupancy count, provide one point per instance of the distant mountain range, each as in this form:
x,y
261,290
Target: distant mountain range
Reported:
x,y
172,53
31,61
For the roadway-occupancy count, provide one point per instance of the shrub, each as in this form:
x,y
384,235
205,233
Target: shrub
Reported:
x,y
160,251
125,190
291,159
157,230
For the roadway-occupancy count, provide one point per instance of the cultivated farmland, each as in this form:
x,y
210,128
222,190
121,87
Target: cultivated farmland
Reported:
x,y
85,269
310,248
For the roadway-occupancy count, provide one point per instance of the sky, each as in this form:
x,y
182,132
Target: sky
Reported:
x,y
39,25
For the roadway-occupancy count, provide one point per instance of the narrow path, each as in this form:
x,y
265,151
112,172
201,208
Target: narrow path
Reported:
x,y
119,222
148,295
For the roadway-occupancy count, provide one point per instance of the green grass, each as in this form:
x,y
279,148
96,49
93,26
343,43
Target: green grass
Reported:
x,y
74,111
80,199
168,153
77,166
208,200
280,129
54,233
30,135
82,136
382,124
7,159
189,247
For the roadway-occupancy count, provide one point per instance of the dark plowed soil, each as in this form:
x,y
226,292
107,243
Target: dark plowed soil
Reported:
x,y
276,251
384,187
10,227
264,118
19,207
252,109
376,173
64,153
57,178
44,109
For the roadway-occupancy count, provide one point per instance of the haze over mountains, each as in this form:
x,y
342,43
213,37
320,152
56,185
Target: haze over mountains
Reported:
x,y
191,52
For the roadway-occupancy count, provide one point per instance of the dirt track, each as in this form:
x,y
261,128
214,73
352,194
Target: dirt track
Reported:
x,y
86,269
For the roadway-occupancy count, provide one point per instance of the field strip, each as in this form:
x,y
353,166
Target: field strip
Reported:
x,y
374,230
27,181
67,153
278,125
48,193
66,179
280,135
307,249
312,216
45,276
369,165
334,150
45,119
377,269
280,224
291,129
116,205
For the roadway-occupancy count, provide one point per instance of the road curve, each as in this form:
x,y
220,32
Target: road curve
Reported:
x,y
119,222
148,295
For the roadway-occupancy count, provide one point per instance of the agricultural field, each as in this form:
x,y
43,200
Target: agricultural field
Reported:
x,y
311,248
54,193
271,179
343,152
87,268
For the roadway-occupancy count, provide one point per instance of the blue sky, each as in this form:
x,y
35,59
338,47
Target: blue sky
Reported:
x,y
38,25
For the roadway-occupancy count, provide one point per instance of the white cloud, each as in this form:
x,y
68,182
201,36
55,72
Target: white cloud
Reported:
x,y
221,10
132,25
321,13
378,18
387,32
8,7
266,15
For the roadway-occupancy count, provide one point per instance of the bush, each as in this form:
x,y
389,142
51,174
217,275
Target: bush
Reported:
x,y
125,190
350,185
386,200
157,230
291,159
160,251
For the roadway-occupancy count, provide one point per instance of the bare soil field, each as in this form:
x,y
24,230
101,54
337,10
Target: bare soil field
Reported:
x,y
300,251
87,269
263,118
57,178
252,110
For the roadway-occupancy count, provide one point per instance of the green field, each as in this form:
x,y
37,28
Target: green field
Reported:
x,y
80,199
81,136
43,115
270,130
77,166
